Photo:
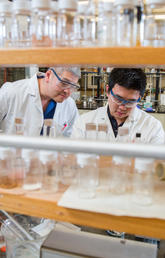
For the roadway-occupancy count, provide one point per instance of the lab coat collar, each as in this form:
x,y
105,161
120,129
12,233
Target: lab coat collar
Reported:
x,y
33,91
33,88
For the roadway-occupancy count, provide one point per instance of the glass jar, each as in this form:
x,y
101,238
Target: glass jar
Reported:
x,y
21,27
90,26
67,168
91,131
53,22
88,175
125,23
50,167
5,24
106,24
41,36
79,24
143,181
121,180
33,170
154,23
65,22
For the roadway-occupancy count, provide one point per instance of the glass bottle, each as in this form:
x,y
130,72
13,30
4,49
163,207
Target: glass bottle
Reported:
x,y
121,176
21,27
53,22
5,24
67,168
106,24
102,132
79,24
91,131
33,170
125,23
49,161
139,13
7,173
65,22
19,126
154,23
143,181
41,23
90,26
49,129
88,175
120,171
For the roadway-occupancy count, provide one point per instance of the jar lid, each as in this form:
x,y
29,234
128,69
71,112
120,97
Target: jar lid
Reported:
x,y
6,7
155,2
54,6
22,5
82,7
105,6
27,154
43,4
142,164
67,4
119,160
124,2
45,156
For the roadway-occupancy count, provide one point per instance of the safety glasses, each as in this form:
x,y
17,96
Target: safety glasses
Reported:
x,y
65,84
120,101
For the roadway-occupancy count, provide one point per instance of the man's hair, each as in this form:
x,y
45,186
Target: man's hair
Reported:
x,y
130,78
74,70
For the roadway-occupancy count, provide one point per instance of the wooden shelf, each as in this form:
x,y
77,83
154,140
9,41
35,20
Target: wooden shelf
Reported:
x,y
42,205
120,57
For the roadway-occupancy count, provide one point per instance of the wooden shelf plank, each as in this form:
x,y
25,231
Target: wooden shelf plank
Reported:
x,y
41,205
121,56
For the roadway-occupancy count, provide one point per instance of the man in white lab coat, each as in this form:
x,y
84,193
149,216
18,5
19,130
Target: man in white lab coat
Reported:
x,y
44,96
125,89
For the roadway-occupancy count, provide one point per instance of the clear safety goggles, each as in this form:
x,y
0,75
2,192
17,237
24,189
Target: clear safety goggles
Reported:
x,y
120,101
65,84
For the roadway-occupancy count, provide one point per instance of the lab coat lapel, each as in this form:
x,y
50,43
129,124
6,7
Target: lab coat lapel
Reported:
x,y
34,93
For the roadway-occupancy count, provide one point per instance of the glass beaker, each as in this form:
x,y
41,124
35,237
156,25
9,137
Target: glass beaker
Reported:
x,y
17,245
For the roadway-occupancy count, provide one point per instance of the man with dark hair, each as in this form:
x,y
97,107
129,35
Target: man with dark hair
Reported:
x,y
125,89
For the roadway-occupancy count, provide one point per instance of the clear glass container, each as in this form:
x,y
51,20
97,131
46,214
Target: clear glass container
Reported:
x,y
102,132
88,175
21,24
125,23
120,175
41,36
143,181
53,22
5,24
33,170
91,131
8,178
90,31
154,23
19,126
79,24
50,167
18,245
65,22
67,168
106,24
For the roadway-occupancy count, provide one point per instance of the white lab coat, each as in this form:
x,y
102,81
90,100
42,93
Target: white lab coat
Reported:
x,y
139,121
21,99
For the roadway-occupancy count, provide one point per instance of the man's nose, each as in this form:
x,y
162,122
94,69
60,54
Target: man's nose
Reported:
x,y
122,106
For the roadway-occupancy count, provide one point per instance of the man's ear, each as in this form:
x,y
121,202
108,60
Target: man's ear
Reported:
x,y
107,88
47,75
